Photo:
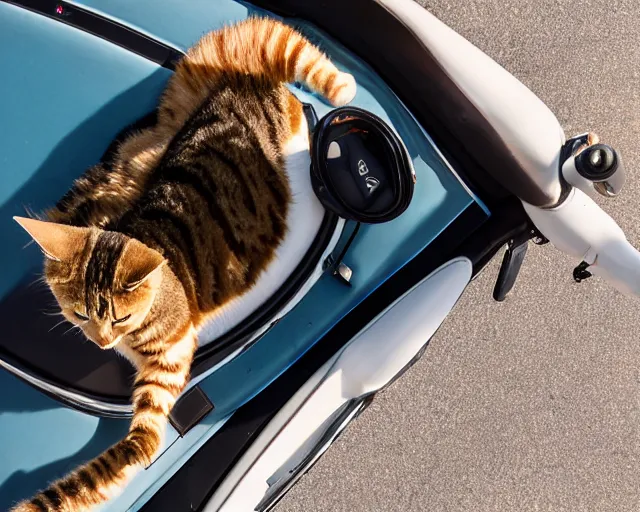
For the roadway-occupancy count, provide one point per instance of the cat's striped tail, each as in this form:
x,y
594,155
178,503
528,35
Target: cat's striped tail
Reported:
x,y
256,46
158,384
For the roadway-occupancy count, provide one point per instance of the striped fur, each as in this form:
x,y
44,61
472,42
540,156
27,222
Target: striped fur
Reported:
x,y
258,47
142,251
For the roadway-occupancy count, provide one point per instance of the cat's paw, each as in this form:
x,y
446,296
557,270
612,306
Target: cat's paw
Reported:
x,y
343,90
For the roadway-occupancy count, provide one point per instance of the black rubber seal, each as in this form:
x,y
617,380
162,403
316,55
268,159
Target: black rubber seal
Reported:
x,y
105,28
327,187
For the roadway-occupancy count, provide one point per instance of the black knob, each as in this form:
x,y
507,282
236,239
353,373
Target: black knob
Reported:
x,y
597,163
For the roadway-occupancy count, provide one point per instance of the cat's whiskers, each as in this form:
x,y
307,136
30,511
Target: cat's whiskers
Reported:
x,y
39,281
31,214
75,328
59,323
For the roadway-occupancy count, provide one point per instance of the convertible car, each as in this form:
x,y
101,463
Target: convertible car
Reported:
x,y
348,305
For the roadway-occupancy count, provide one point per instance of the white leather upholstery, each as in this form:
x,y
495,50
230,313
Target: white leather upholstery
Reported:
x,y
304,220
527,127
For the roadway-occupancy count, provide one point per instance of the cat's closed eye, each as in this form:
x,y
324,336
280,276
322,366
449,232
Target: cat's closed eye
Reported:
x,y
121,320
80,316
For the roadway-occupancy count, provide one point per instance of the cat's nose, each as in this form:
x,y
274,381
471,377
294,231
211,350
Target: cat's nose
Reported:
x,y
103,341
110,343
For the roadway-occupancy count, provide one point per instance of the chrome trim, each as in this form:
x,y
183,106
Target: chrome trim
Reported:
x,y
308,454
75,400
329,433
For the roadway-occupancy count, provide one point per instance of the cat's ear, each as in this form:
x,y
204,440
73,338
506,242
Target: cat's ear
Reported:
x,y
138,264
58,242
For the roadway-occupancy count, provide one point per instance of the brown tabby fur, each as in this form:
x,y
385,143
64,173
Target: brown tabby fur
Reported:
x,y
186,218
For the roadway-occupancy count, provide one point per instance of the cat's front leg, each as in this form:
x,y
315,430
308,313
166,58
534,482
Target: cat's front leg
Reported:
x,y
163,373
162,376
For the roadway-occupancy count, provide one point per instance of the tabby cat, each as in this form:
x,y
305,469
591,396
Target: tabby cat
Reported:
x,y
140,252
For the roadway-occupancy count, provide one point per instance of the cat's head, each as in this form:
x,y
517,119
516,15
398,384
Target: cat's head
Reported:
x,y
104,282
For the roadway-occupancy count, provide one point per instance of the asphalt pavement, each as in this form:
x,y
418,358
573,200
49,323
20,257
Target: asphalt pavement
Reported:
x,y
532,404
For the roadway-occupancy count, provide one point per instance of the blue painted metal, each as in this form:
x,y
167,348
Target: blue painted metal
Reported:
x,y
65,95
39,439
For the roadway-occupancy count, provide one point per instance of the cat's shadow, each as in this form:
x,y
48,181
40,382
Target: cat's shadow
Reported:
x,y
18,397
23,484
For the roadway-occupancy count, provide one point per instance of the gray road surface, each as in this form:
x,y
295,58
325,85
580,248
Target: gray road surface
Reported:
x,y
530,405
